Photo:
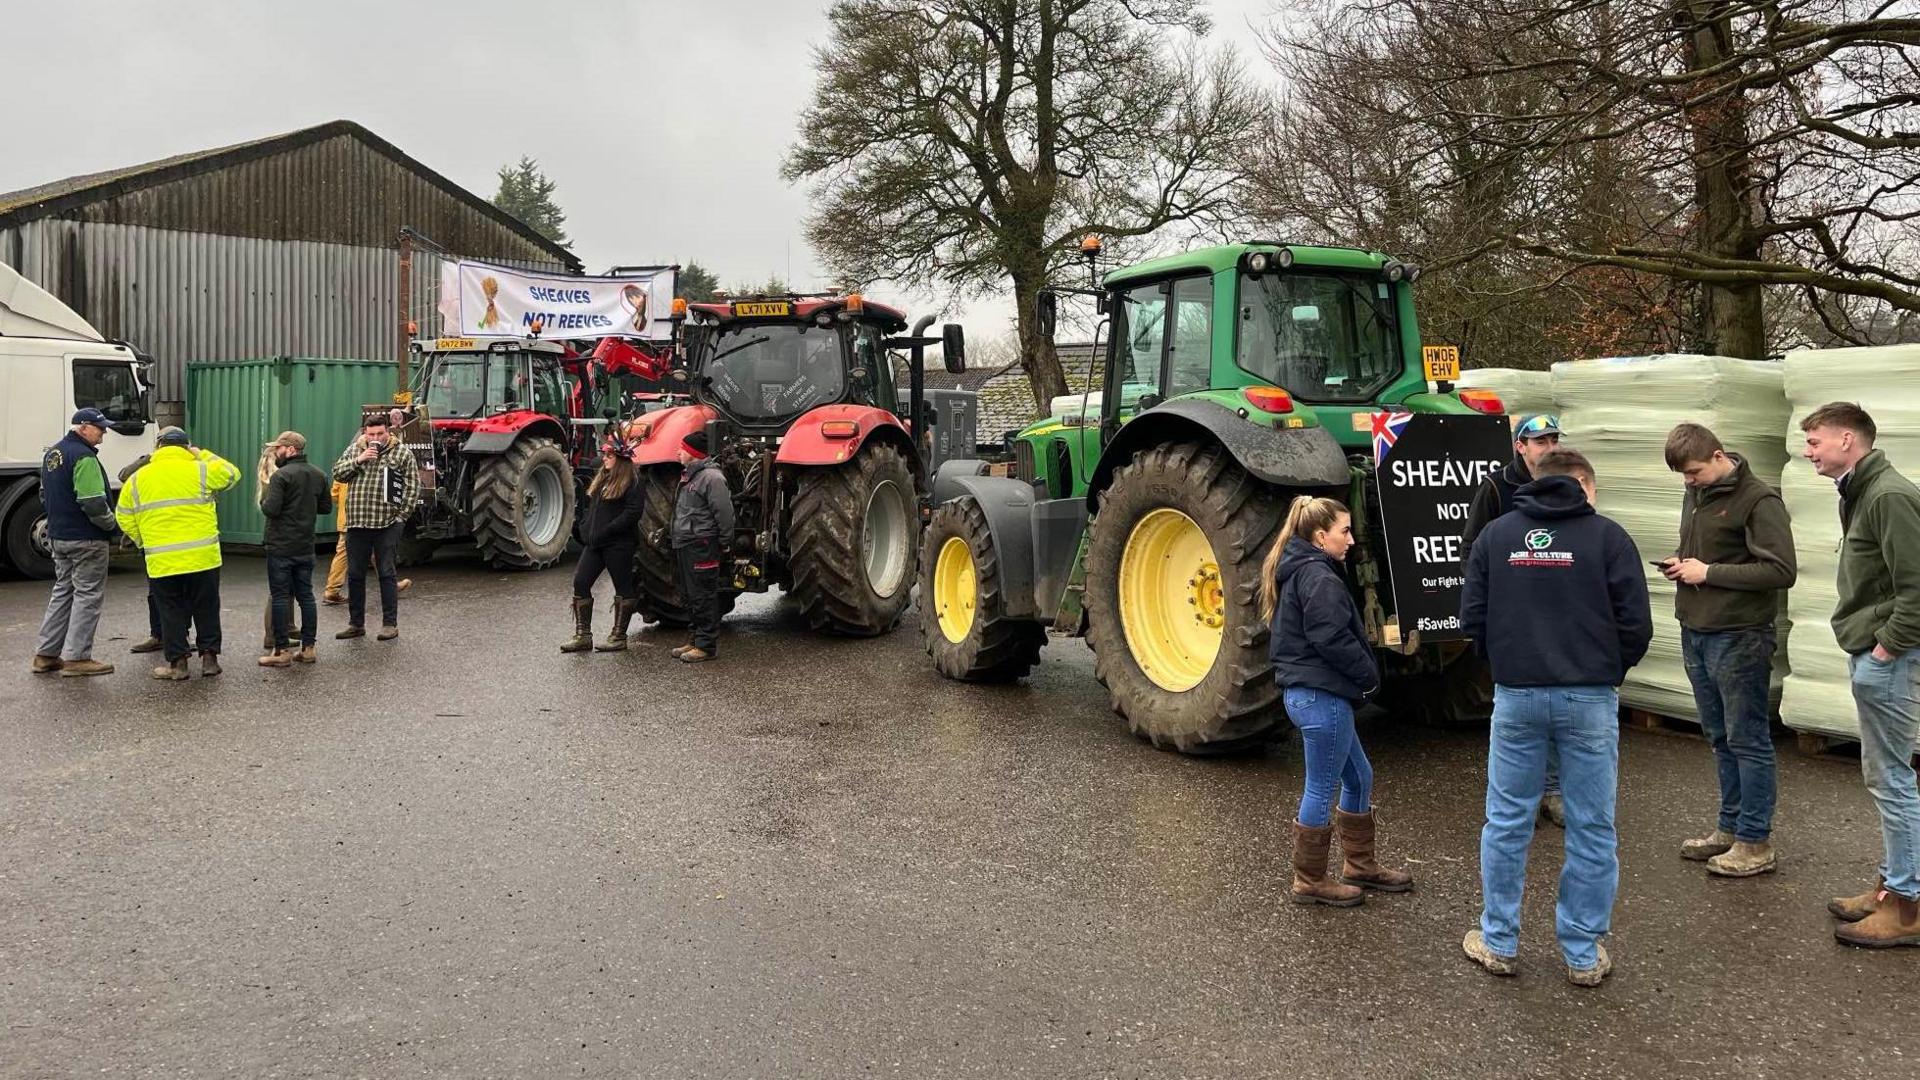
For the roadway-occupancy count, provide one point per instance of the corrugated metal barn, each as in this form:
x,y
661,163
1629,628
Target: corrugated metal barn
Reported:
x,y
288,245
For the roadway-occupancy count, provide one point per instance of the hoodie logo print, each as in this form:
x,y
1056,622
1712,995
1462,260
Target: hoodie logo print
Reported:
x,y
1539,539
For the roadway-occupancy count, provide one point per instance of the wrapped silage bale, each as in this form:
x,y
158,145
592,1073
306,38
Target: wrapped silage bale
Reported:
x,y
1618,412
1521,392
1886,383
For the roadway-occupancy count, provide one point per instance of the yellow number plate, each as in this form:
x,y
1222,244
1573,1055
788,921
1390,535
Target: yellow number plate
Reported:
x,y
744,311
1442,361
453,344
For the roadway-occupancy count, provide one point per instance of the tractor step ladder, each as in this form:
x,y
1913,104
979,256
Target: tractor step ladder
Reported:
x,y
1071,619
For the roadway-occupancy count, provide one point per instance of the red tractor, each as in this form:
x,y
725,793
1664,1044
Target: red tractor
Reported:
x,y
825,461
510,437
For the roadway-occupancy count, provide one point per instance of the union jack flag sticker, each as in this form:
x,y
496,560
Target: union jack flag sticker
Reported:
x,y
1387,427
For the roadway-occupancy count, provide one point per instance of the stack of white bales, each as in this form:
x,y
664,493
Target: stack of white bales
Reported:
x,y
1618,412
1521,392
1885,382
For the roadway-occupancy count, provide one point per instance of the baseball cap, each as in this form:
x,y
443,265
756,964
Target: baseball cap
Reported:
x,y
173,436
291,438
1537,426
90,416
696,442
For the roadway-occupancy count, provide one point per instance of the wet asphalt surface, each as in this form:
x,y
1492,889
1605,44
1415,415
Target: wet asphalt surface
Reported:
x,y
462,853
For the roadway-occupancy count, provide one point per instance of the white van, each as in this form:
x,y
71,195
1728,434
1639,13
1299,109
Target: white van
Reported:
x,y
52,363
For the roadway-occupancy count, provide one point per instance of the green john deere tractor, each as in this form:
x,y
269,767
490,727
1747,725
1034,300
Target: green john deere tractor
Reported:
x,y
1235,377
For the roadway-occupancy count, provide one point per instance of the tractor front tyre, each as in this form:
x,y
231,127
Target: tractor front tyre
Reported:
x,y
963,604
854,543
656,574
523,506
1173,586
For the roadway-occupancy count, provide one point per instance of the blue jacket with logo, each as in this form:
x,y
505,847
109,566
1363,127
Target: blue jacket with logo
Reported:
x,y
1555,594
73,489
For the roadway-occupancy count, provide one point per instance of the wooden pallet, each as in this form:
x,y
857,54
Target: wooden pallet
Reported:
x,y
1642,720
1816,744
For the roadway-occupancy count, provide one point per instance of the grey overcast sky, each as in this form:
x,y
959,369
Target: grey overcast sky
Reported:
x,y
663,122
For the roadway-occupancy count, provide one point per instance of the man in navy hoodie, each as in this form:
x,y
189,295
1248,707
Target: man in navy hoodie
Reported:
x,y
1557,601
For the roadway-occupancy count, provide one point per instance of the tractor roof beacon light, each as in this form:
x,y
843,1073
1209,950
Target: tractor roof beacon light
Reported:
x,y
679,307
1090,251
855,302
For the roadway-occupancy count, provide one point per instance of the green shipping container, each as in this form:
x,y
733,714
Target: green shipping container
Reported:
x,y
234,408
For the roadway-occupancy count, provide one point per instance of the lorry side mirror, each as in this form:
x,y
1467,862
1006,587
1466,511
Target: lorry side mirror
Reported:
x,y
1046,312
953,348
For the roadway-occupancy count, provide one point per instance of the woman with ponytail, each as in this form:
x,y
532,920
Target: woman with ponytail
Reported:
x,y
1324,665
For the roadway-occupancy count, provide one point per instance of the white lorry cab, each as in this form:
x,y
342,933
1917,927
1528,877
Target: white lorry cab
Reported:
x,y
52,363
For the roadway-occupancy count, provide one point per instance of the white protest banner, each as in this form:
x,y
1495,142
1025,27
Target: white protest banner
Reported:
x,y
482,300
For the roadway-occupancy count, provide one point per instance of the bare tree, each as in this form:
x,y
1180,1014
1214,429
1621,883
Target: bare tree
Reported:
x,y
973,143
1721,147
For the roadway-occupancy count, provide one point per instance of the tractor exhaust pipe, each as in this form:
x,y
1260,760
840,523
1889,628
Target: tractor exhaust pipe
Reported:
x,y
917,390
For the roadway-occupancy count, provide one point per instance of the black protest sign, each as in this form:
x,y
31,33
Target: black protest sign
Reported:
x,y
1428,468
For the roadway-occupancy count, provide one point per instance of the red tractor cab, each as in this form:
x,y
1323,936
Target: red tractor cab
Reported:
x,y
821,449
511,437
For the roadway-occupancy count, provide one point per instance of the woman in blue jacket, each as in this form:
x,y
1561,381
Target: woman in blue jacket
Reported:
x,y
1323,663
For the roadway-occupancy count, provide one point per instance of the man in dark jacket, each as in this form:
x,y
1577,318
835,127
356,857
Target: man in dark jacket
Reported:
x,y
1735,557
1533,437
295,498
80,532
1877,623
702,539
1556,600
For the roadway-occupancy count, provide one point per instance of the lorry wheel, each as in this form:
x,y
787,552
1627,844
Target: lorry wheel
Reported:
x,y
1173,585
961,604
855,542
27,546
523,506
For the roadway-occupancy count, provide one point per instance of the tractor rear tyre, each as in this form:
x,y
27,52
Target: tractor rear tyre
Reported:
x,y
962,605
1173,585
523,506
854,542
656,571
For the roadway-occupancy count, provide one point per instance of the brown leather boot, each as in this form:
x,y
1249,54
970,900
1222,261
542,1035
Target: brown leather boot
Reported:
x,y
1895,921
623,609
1310,882
582,638
1855,908
209,664
1356,848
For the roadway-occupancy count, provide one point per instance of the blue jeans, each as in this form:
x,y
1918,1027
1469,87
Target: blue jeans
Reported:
x,y
1888,701
1335,762
1583,724
290,579
1731,672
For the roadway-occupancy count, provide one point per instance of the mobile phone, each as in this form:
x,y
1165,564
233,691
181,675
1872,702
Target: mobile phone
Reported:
x,y
1656,565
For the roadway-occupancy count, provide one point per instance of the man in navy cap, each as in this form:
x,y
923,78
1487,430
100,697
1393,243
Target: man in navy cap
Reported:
x,y
80,530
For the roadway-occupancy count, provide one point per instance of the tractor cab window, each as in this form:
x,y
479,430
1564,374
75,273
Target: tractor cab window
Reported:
x,y
774,371
1323,337
476,383
1163,337
1139,327
549,394
869,353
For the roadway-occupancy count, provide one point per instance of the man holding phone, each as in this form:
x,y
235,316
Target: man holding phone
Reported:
x,y
1734,558
383,486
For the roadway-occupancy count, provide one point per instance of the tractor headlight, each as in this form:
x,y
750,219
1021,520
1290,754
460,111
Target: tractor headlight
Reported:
x,y
1258,262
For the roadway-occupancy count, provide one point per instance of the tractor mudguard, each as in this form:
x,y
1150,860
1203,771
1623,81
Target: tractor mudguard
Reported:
x,y
805,443
660,432
1304,457
495,434
1008,506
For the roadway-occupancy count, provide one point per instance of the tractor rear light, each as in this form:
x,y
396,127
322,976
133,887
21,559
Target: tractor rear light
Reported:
x,y
1482,401
1270,399
839,429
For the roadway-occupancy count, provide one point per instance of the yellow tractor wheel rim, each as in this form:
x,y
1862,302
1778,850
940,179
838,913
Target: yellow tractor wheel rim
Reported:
x,y
955,591
1172,602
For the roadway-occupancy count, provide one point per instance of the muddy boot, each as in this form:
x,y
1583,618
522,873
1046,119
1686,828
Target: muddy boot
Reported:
x,y
305,655
75,668
1706,847
1855,908
695,655
333,599
1357,866
174,672
209,664
1553,810
46,665
1475,946
1743,860
678,649
1895,921
277,658
623,609
152,644
1595,975
582,638
1310,882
